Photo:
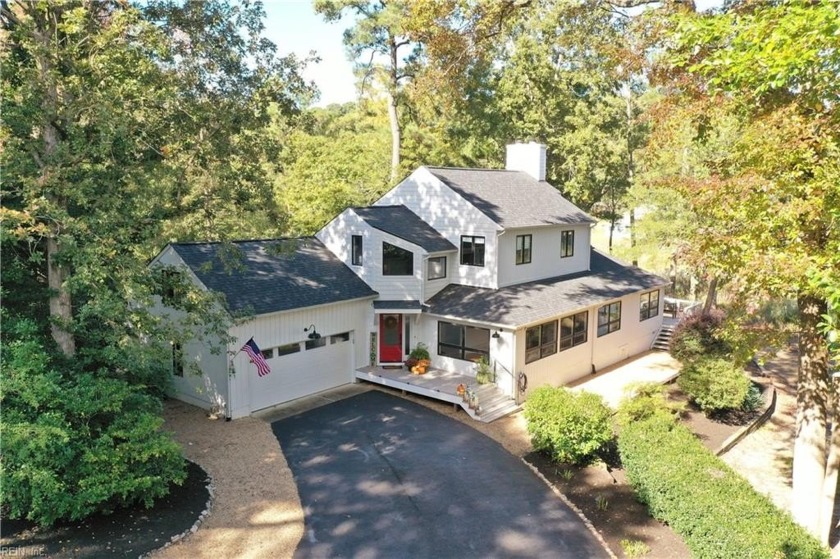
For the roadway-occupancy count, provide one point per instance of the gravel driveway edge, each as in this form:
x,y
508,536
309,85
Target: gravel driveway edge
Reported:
x,y
256,510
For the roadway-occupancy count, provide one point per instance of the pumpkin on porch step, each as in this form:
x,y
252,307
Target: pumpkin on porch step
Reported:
x,y
421,367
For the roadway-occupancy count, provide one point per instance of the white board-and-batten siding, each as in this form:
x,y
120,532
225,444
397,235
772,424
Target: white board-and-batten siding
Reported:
x,y
635,336
452,216
337,235
546,261
204,383
278,329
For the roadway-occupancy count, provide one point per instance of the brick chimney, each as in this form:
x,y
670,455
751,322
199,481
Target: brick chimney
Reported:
x,y
529,158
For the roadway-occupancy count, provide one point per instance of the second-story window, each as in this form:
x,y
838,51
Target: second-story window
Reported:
x,y
356,250
436,268
523,249
567,244
472,251
396,261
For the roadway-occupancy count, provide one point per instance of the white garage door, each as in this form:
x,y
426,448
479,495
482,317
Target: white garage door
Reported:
x,y
316,366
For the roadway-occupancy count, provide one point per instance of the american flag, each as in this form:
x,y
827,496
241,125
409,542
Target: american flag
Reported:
x,y
253,351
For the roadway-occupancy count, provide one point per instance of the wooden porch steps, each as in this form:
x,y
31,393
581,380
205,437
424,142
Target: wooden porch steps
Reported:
x,y
663,340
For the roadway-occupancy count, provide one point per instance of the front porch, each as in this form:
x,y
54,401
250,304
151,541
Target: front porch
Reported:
x,y
443,385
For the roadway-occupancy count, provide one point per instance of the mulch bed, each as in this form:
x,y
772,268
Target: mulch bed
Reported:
x,y
604,496
601,491
129,532
715,430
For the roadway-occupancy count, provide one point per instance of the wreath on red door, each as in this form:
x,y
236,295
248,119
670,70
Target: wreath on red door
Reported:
x,y
390,322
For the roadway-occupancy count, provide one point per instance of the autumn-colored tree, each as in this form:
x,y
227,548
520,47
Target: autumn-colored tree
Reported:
x,y
769,206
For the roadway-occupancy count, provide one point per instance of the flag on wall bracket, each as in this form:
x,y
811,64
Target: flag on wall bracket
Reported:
x,y
256,356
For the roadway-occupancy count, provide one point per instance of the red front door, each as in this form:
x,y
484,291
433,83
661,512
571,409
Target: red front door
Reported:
x,y
390,338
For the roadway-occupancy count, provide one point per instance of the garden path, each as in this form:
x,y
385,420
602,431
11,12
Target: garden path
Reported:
x,y
765,457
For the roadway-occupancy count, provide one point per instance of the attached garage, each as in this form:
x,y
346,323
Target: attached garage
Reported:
x,y
310,314
316,365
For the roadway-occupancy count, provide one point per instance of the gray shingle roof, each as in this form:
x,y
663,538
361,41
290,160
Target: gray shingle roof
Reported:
x,y
512,198
272,275
401,222
517,305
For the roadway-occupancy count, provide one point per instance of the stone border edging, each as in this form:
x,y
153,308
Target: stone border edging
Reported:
x,y
739,435
574,508
201,517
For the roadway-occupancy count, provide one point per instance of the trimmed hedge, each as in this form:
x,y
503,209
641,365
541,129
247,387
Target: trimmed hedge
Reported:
x,y
717,512
715,384
569,426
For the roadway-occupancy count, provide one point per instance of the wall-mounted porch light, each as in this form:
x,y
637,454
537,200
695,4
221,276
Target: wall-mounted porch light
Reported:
x,y
313,335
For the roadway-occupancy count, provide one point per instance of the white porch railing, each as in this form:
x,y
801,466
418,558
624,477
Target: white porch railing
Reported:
x,y
504,379
676,308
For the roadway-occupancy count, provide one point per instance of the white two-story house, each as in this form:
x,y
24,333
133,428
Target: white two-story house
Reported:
x,y
470,262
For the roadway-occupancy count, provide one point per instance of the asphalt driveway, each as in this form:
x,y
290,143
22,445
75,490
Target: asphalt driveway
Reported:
x,y
382,477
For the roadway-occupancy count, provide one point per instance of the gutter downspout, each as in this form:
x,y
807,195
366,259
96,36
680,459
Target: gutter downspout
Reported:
x,y
230,371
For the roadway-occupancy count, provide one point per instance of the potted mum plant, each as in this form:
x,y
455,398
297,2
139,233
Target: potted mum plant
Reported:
x,y
419,359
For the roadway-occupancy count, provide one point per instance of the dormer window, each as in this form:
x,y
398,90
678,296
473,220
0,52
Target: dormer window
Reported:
x,y
396,261
523,249
567,243
436,268
472,251
356,250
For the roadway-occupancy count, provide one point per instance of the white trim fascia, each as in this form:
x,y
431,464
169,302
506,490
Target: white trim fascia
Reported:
x,y
299,309
472,321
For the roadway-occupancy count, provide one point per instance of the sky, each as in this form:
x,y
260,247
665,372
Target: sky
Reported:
x,y
294,27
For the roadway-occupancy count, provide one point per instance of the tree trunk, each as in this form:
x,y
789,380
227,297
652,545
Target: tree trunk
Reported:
x,y
393,115
61,307
711,296
631,172
633,236
809,452
832,467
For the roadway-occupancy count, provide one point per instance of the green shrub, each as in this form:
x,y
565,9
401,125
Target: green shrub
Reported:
x,y
754,400
644,401
569,426
717,512
714,384
77,445
699,336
